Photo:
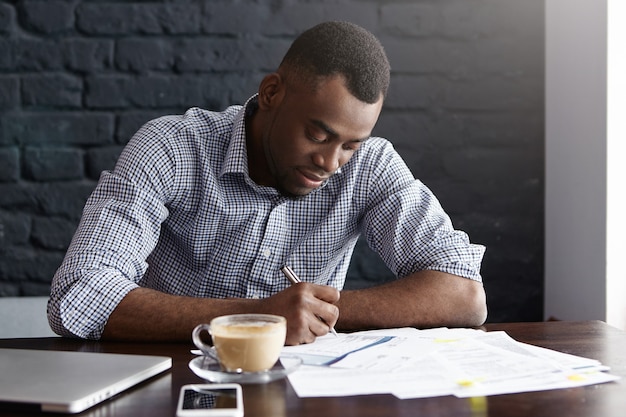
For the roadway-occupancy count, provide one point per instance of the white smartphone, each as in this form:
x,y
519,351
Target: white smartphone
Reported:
x,y
210,400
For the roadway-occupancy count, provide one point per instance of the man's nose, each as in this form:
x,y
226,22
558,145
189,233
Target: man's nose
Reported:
x,y
328,158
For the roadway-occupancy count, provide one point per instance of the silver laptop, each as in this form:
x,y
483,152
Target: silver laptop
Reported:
x,y
70,382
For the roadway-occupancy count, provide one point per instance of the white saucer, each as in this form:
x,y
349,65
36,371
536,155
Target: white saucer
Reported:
x,y
208,368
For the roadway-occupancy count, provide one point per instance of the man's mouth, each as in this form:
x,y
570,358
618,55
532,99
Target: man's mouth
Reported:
x,y
312,180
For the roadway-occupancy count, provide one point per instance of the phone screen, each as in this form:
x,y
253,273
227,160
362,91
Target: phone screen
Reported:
x,y
206,398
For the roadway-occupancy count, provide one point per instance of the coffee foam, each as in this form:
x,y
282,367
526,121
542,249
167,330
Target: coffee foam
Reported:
x,y
244,329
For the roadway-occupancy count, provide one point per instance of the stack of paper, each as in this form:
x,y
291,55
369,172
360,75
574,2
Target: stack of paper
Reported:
x,y
410,363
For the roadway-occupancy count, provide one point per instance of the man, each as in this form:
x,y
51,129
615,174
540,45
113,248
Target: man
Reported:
x,y
202,210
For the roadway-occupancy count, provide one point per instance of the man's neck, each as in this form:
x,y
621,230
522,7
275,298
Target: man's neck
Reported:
x,y
257,165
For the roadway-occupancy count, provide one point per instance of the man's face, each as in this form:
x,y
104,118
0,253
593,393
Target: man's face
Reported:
x,y
311,134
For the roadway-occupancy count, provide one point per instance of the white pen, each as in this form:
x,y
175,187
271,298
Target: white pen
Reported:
x,y
293,278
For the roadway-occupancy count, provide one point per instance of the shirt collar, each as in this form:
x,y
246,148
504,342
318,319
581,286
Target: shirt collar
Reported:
x,y
236,159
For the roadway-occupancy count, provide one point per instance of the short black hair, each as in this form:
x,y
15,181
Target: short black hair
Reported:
x,y
340,48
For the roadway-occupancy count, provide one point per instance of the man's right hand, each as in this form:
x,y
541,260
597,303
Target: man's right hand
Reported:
x,y
310,310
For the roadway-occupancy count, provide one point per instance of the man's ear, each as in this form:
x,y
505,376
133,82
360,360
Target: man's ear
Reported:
x,y
271,91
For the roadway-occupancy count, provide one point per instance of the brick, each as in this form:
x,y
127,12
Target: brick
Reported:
x,y
107,91
9,92
87,55
101,159
366,15
293,19
14,196
141,55
64,199
32,289
145,18
129,122
407,55
206,55
63,128
53,233
149,91
218,92
7,17
52,90
14,229
53,164
222,18
170,18
412,92
410,19
33,55
9,289
491,18
276,20
469,19
47,16
38,289
7,54
237,89
9,164
22,265
22,54
119,18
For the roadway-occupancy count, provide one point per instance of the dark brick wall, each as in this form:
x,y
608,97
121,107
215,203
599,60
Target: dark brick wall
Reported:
x,y
465,109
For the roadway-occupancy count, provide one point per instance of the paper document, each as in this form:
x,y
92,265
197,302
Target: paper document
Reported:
x,y
410,363
329,349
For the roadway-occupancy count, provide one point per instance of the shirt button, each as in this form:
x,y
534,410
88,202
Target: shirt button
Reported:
x,y
267,253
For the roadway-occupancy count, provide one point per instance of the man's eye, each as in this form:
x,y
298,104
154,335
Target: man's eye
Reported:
x,y
352,146
315,138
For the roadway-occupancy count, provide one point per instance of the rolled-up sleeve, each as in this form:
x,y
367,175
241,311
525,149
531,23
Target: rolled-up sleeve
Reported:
x,y
106,259
407,226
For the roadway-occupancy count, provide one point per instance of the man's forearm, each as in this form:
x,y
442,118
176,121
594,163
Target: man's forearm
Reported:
x,y
149,315
424,299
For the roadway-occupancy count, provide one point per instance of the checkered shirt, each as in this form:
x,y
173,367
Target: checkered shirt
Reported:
x,y
180,214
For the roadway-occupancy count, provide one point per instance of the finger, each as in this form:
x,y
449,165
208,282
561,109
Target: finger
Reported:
x,y
308,314
326,293
305,328
293,340
326,312
299,336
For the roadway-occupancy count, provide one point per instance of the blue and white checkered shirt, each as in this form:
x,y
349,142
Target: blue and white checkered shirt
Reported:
x,y
180,214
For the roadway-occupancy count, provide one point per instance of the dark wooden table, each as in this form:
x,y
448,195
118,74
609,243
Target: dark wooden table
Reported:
x,y
157,397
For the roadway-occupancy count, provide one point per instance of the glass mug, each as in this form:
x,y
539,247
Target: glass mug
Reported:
x,y
244,342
